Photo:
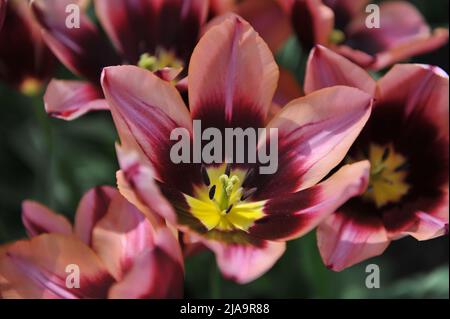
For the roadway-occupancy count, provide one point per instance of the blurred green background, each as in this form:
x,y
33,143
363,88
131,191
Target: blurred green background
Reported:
x,y
55,162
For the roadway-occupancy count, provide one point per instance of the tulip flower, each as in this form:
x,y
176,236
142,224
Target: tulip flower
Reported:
x,y
112,251
25,61
342,26
406,141
242,215
157,35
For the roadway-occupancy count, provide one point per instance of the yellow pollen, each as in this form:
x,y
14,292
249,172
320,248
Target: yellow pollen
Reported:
x,y
337,36
223,208
161,60
30,86
388,175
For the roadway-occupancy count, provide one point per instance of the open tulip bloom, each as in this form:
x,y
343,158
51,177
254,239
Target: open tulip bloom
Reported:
x,y
347,27
406,141
113,251
244,216
26,63
158,35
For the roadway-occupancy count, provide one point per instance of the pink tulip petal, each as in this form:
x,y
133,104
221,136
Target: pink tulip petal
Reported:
x,y
344,241
293,215
268,19
28,60
422,90
313,22
403,33
326,68
92,207
121,235
418,46
136,182
244,263
168,74
345,10
180,24
288,88
428,226
69,100
358,57
146,109
314,134
82,49
131,25
232,77
38,269
157,272
219,7
39,219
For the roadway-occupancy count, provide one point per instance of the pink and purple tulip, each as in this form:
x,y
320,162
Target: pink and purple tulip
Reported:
x,y
341,26
243,216
118,251
25,61
155,34
406,141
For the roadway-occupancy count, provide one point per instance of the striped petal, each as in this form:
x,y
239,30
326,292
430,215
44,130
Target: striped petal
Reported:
x,y
136,182
39,219
345,240
421,90
232,77
121,235
131,25
314,134
28,63
82,49
69,100
313,22
403,33
293,215
269,20
179,25
156,273
326,68
92,208
40,268
244,263
146,109
428,226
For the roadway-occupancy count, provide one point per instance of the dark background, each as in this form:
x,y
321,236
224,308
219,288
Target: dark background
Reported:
x,y
55,162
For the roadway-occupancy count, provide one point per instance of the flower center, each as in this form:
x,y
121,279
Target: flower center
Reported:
x,y
388,173
162,59
337,36
222,202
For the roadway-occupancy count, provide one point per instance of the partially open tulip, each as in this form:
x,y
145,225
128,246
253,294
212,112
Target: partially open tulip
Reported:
x,y
156,35
244,216
112,251
25,61
342,25
406,141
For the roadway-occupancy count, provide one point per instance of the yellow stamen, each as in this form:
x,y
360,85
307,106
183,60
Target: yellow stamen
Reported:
x,y
337,36
31,87
225,211
388,175
162,59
